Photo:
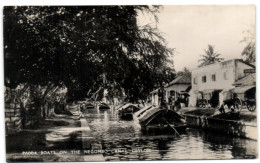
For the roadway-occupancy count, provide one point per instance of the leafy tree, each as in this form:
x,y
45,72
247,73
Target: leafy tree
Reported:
x,y
185,71
83,46
210,56
249,50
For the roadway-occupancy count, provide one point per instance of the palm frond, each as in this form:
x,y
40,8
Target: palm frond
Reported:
x,y
210,56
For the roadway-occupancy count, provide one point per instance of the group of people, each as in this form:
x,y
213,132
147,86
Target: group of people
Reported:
x,y
173,102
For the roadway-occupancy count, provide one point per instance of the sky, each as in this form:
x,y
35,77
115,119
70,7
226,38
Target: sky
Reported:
x,y
190,28
174,33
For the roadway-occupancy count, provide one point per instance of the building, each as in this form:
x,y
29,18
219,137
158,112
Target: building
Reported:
x,y
247,80
178,85
210,80
175,87
245,88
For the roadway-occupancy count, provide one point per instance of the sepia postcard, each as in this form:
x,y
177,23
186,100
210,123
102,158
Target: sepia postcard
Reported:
x,y
129,83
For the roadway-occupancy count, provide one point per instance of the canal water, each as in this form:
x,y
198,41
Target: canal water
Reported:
x,y
124,141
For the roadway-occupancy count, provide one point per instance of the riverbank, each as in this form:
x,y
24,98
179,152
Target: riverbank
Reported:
x,y
56,139
243,124
100,135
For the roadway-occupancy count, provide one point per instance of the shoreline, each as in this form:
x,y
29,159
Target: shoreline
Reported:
x,y
240,127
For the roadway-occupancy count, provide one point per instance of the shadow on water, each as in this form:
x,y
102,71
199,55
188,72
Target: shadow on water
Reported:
x,y
239,147
113,133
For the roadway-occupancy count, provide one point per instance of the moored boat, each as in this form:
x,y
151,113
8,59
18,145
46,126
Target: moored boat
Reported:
x,y
137,115
126,111
103,106
86,106
89,106
156,119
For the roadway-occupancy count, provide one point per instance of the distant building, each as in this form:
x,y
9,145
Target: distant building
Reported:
x,y
245,88
178,85
247,80
217,77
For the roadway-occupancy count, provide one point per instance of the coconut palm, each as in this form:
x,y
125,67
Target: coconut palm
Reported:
x,y
210,57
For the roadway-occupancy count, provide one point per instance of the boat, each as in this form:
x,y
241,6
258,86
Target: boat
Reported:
x,y
137,115
86,106
103,106
155,119
126,111
89,106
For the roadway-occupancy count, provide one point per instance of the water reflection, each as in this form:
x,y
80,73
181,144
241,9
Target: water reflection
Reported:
x,y
114,133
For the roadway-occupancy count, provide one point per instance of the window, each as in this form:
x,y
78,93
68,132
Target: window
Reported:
x,y
213,77
195,80
226,75
204,79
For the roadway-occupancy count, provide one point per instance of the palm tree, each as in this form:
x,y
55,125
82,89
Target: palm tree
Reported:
x,y
210,57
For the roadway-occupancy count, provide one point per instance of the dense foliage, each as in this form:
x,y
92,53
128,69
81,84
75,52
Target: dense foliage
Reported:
x,y
249,51
85,48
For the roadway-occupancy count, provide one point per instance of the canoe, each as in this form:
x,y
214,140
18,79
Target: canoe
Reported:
x,y
137,115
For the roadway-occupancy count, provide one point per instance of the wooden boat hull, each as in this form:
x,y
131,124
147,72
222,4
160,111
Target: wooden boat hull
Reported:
x,y
90,107
181,128
156,119
127,111
87,107
126,115
103,106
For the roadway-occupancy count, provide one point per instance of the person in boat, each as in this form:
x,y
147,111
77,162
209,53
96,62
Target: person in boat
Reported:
x,y
161,95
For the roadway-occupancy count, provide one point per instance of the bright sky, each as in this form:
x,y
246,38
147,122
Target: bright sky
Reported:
x,y
189,29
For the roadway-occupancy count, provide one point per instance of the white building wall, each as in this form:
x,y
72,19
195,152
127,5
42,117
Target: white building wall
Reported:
x,y
232,68
175,87
219,71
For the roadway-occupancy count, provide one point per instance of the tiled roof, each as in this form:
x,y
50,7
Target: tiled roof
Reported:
x,y
246,80
185,79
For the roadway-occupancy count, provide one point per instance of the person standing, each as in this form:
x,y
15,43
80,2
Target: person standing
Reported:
x,y
171,102
161,95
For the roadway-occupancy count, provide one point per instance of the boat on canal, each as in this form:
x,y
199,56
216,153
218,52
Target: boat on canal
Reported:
x,y
103,106
126,111
154,119
89,106
86,106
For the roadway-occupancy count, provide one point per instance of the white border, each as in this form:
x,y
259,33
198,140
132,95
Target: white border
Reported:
x,y
111,2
